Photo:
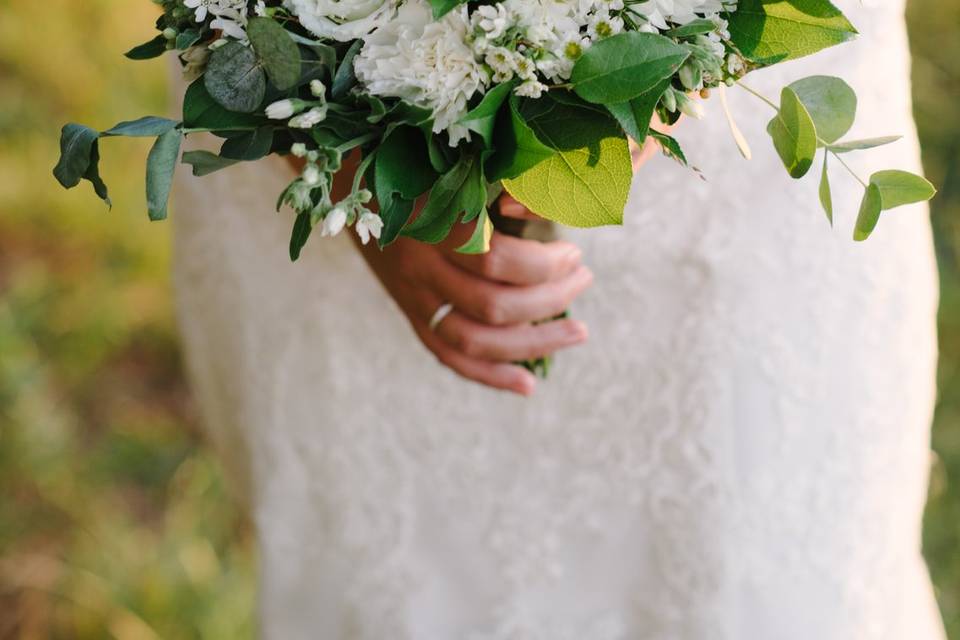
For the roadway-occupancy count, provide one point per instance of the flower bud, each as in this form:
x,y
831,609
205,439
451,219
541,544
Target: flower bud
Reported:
x,y
281,110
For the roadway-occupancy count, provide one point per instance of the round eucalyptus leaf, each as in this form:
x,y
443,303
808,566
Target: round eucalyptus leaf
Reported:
x,y
235,79
830,102
277,51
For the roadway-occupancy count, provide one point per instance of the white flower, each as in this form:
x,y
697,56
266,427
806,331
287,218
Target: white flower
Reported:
x,y
309,119
333,222
426,63
298,150
230,16
311,175
531,89
369,224
318,89
342,20
280,110
681,12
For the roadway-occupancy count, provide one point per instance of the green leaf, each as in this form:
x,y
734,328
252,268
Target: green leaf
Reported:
x,y
587,181
794,134
777,30
693,28
622,67
161,164
302,228
235,79
251,145
151,49
898,188
869,214
345,77
634,115
278,53
92,175
826,197
482,118
395,211
204,163
830,102
188,38
76,152
201,111
670,146
462,190
517,148
442,7
148,127
403,165
479,241
860,145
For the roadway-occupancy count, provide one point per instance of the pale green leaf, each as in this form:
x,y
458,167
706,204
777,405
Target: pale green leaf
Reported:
x,y
794,134
830,102
898,188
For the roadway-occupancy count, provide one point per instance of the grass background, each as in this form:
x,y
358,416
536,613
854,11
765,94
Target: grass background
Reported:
x,y
113,517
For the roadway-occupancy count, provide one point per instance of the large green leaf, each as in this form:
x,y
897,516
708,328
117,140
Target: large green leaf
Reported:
x,y
587,181
830,102
775,30
794,134
482,118
235,78
622,67
278,53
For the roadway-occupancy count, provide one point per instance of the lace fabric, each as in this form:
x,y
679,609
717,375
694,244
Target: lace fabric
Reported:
x,y
740,452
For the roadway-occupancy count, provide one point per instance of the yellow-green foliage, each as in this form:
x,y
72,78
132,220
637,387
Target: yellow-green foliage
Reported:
x,y
113,522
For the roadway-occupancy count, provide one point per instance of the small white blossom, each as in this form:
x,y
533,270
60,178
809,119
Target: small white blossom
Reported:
x,y
281,110
333,222
309,119
369,224
299,150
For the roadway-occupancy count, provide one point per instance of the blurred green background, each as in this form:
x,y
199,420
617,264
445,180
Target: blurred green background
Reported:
x,y
112,516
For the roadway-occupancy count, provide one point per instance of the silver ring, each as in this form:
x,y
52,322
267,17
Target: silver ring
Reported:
x,y
442,312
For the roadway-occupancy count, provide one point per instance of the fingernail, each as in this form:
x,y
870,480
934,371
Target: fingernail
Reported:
x,y
578,331
527,385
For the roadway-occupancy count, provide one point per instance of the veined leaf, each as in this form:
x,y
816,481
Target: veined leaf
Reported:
x,y
777,30
587,181
622,67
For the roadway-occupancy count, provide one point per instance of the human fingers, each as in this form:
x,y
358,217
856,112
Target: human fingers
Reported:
x,y
498,375
511,208
512,343
519,261
499,304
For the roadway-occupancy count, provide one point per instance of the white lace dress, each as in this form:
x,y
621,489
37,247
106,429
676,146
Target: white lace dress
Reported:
x,y
740,452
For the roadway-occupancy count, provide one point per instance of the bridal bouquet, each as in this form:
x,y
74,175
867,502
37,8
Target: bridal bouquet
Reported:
x,y
447,100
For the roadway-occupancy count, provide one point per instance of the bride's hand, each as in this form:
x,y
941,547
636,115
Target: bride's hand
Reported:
x,y
496,298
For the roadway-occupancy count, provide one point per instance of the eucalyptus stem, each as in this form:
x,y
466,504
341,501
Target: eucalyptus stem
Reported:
x,y
759,95
847,167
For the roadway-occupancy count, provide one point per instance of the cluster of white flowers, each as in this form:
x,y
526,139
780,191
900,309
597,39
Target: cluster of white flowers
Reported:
x,y
229,16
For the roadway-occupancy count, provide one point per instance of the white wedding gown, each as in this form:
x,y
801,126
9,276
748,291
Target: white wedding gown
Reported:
x,y
740,452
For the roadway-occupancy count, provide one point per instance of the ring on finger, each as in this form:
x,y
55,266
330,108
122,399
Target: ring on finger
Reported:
x,y
438,316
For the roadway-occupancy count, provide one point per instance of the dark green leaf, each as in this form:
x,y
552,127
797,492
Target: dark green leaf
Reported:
x,y
251,145
302,228
205,163
201,111
345,77
76,150
482,118
152,49
634,116
622,67
516,147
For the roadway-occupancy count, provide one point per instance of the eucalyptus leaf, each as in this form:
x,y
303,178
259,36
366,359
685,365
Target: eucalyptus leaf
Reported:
x,y
899,188
148,127
251,145
860,145
235,78
278,53
76,149
345,76
161,164
831,103
826,197
201,111
870,209
794,134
